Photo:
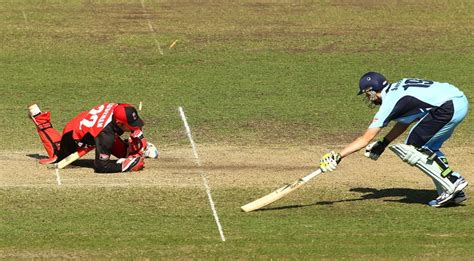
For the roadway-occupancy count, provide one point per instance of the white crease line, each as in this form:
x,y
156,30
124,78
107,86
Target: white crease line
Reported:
x,y
24,16
85,185
204,179
150,26
58,178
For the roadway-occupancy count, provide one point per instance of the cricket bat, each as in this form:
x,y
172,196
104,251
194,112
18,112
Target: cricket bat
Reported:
x,y
70,159
279,193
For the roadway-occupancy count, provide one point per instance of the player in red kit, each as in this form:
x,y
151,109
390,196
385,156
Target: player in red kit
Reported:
x,y
99,128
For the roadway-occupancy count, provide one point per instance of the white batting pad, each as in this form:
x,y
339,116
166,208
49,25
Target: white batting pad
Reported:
x,y
413,157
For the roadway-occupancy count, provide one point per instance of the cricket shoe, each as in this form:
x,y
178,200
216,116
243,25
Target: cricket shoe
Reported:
x,y
445,198
459,198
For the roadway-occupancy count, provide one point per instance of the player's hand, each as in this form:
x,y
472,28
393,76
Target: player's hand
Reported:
x,y
329,161
376,148
412,157
131,163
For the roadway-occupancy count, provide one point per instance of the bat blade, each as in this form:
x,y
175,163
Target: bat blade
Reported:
x,y
71,158
65,162
279,193
68,160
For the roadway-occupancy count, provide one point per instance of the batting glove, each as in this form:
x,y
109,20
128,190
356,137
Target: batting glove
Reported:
x,y
329,161
412,157
376,148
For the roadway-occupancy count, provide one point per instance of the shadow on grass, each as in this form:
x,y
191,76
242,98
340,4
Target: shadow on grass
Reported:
x,y
80,163
36,156
409,196
83,163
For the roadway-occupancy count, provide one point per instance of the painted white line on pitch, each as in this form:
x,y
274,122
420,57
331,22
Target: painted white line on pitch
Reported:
x,y
58,178
150,26
99,185
24,16
204,179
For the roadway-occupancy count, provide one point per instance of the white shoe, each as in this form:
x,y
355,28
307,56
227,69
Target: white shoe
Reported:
x,y
445,198
442,200
459,198
459,185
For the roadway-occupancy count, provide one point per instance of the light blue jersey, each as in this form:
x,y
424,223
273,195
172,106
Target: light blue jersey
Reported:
x,y
409,100
437,108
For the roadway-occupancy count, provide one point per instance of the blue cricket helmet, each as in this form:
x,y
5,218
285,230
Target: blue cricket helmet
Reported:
x,y
373,81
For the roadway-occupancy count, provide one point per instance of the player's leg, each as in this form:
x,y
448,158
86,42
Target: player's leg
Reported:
x,y
68,146
429,134
49,136
460,106
457,198
439,187
70,150
429,164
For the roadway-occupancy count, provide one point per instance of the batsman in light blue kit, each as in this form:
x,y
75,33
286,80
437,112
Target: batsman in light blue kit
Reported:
x,y
435,108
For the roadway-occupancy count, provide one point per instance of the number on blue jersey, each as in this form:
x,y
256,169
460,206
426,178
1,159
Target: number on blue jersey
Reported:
x,y
417,83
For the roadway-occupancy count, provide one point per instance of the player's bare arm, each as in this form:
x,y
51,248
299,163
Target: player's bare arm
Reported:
x,y
396,131
330,160
360,142
375,149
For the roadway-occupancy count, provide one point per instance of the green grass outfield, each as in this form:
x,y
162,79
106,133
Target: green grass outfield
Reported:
x,y
246,72
147,223
249,71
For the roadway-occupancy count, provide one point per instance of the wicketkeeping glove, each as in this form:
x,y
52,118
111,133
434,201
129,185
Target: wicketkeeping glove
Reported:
x,y
329,161
136,143
376,148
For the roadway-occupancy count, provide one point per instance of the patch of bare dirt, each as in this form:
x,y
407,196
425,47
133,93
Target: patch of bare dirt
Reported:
x,y
230,166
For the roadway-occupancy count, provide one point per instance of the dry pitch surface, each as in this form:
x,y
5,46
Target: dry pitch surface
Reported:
x,y
238,167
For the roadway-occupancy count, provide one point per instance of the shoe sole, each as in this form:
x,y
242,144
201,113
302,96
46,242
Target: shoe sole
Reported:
x,y
458,200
